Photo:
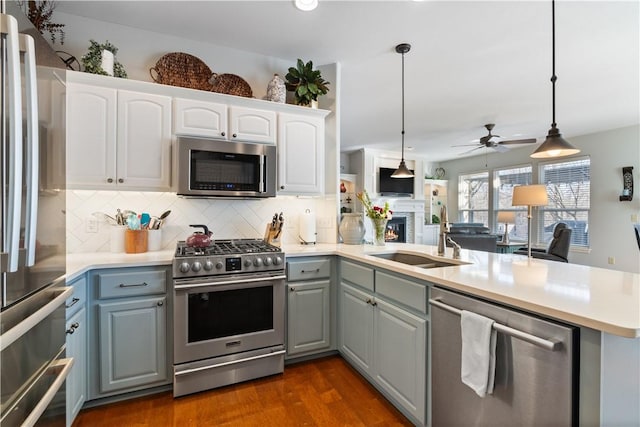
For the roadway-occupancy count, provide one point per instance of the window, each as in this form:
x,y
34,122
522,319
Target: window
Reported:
x,y
503,182
473,198
568,186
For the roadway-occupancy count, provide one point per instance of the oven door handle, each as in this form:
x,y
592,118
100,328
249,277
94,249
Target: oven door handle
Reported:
x,y
232,362
227,282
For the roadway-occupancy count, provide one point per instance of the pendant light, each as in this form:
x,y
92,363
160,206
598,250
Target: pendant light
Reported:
x,y
555,145
402,171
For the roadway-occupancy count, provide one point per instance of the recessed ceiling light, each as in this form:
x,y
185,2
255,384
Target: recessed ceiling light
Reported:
x,y
306,5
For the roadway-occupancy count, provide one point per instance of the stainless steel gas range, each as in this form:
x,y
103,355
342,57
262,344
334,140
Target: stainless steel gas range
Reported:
x,y
229,304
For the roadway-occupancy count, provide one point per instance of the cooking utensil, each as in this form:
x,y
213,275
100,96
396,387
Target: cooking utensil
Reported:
x,y
199,239
144,220
165,214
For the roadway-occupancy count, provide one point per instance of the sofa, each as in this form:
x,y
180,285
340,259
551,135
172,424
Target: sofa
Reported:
x,y
474,236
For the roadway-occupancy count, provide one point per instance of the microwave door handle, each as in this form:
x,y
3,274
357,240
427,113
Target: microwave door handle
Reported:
x,y
32,154
9,27
262,188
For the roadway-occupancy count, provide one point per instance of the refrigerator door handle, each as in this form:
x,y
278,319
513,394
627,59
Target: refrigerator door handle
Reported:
x,y
32,154
9,28
61,369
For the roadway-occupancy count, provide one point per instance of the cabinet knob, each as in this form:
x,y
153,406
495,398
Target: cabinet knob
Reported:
x,y
235,135
222,133
120,180
109,180
282,187
73,328
292,289
160,303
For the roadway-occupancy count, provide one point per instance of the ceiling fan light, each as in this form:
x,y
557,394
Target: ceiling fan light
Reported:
x,y
554,146
306,5
402,171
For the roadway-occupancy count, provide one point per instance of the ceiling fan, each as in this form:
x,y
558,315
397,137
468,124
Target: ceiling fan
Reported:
x,y
488,141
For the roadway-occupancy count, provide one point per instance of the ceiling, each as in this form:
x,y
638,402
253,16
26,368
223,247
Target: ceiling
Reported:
x,y
471,63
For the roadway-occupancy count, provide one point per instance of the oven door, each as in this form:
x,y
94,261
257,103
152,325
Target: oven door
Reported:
x,y
220,316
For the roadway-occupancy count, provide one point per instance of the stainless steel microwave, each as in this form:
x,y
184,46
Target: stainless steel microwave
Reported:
x,y
217,168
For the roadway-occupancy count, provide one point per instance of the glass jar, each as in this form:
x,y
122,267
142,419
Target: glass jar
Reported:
x,y
351,228
379,229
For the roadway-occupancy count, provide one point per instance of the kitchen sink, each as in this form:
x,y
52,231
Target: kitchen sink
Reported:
x,y
422,261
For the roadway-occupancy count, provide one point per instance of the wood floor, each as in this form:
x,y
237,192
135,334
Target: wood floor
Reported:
x,y
322,392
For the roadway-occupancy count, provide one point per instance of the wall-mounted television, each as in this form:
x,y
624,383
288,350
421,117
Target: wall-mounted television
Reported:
x,y
394,187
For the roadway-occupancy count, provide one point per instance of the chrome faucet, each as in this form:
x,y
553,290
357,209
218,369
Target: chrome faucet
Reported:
x,y
443,230
456,248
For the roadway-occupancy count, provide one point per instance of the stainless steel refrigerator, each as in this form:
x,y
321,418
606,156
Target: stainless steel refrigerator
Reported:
x,y
32,263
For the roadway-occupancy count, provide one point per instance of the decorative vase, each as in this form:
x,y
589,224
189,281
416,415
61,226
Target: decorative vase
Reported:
x,y
107,61
351,228
276,91
379,228
314,104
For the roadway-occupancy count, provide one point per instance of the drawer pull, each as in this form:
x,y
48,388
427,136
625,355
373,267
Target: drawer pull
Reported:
x,y
73,328
133,285
160,303
292,289
74,301
371,302
317,270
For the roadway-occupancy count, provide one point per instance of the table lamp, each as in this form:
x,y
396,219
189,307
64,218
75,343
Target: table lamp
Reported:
x,y
507,218
529,196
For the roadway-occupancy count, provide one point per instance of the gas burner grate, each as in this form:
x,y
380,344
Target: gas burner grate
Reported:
x,y
227,247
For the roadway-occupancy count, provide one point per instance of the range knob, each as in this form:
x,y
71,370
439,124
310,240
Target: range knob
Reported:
x,y
277,260
247,262
268,261
257,262
219,265
185,267
196,266
208,265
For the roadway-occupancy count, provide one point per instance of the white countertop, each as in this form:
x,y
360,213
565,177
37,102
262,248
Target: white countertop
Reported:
x,y
601,299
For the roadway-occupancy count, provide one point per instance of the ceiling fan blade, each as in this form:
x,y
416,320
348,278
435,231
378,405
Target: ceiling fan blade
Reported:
x,y
518,141
500,148
474,149
466,145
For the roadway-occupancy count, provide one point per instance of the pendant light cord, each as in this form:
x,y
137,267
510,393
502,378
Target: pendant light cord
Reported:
x,y
403,106
553,62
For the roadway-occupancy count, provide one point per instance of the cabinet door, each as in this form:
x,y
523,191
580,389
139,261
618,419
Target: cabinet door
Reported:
x,y
249,124
76,388
199,118
308,316
91,137
132,349
400,349
356,326
144,141
300,154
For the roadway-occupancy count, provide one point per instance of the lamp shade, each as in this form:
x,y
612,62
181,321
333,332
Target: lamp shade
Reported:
x,y
529,195
554,146
507,217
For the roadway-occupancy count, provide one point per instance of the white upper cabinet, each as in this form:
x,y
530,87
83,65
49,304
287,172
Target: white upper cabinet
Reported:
x,y
249,124
215,120
118,139
300,154
91,136
199,118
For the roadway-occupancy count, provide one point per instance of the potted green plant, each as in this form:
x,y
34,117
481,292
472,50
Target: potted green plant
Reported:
x,y
98,56
306,83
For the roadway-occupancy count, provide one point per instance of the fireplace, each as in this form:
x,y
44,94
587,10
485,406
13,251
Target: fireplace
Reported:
x,y
396,230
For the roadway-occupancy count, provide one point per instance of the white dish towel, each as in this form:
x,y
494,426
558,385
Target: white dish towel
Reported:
x,y
478,365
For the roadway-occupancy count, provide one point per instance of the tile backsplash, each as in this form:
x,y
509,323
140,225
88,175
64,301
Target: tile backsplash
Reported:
x,y
225,218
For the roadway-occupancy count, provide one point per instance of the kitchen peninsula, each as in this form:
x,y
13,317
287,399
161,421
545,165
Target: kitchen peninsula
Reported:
x,y
605,304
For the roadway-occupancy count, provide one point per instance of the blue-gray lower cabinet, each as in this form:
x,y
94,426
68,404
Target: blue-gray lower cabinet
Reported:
x,y
76,348
309,312
383,333
310,302
131,349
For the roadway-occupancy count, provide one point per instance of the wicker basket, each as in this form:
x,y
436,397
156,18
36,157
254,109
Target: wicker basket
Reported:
x,y
230,84
182,69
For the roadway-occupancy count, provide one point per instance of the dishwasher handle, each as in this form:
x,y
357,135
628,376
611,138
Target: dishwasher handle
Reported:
x,y
552,345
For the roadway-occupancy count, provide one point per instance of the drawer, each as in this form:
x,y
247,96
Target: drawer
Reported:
x,y
126,283
404,291
78,298
357,274
308,269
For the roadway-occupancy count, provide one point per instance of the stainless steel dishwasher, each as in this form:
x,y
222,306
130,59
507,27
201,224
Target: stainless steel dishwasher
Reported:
x,y
536,380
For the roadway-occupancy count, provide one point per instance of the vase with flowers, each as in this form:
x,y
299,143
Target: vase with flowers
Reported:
x,y
378,216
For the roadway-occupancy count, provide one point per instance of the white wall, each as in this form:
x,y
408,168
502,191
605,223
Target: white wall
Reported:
x,y
610,221
139,50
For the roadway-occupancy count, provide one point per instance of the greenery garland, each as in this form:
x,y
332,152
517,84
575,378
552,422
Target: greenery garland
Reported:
x,y
92,60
